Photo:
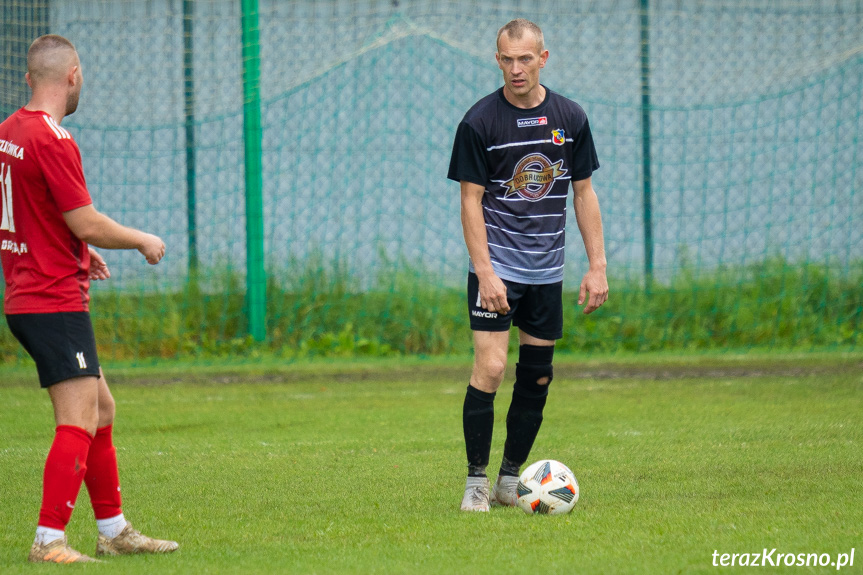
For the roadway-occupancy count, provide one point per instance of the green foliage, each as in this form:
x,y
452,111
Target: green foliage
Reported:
x,y
768,305
360,469
315,309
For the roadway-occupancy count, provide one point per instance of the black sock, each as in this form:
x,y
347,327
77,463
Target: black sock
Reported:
x,y
528,402
509,468
522,426
478,421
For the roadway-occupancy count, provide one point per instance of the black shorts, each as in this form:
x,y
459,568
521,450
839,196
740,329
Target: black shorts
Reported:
x,y
537,310
62,344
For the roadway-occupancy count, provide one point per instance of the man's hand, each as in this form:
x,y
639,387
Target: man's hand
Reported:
x,y
596,284
492,294
152,247
98,268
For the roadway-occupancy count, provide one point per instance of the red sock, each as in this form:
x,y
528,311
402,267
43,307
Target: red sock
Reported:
x,y
102,478
65,468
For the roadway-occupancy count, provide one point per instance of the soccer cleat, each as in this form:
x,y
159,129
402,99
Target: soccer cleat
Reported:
x,y
131,541
57,552
475,494
504,493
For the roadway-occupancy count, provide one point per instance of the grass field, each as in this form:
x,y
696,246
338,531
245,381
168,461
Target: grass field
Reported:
x,y
359,467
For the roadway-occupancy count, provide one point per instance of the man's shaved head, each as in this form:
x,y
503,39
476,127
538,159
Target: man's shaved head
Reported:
x,y
53,67
516,29
50,58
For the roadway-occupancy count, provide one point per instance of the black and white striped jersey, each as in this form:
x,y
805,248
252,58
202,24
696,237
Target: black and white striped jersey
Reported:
x,y
526,159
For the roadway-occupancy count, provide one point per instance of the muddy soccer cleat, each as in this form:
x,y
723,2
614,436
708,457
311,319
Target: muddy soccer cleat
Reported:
x,y
131,541
475,494
57,552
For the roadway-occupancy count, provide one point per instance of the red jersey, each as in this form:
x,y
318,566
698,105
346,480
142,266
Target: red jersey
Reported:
x,y
45,267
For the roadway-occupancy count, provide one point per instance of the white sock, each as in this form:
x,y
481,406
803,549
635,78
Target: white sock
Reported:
x,y
112,526
45,535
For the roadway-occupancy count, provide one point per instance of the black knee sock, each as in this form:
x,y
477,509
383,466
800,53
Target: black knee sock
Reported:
x,y
528,402
522,426
478,421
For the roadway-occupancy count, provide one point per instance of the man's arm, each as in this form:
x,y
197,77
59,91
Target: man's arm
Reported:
x,y
492,290
589,220
99,230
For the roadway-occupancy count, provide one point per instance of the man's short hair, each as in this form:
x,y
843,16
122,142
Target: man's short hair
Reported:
x,y
515,29
48,57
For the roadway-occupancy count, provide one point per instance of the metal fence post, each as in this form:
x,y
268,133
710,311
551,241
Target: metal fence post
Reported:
x,y
256,286
645,143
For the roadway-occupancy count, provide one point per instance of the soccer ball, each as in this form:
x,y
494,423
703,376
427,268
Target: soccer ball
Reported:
x,y
547,487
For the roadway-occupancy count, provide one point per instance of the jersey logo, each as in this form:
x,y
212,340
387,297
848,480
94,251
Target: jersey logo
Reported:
x,y
528,122
557,137
533,177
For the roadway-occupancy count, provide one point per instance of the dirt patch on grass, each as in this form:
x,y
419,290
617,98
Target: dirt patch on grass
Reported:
x,y
665,372
459,371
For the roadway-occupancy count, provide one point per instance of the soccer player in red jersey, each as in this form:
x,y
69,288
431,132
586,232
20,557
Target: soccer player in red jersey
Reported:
x,y
47,220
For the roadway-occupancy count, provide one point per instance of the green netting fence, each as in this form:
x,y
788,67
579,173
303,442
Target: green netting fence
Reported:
x,y
292,154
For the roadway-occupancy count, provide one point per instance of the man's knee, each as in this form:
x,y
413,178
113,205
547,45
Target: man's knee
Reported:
x,y
534,372
107,410
76,402
489,372
492,368
107,407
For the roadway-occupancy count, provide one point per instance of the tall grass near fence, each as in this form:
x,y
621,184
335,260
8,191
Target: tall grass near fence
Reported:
x,y
317,310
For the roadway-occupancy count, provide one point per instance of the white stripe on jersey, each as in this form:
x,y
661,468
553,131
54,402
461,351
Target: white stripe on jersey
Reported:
x,y
58,130
517,198
524,217
521,234
514,144
523,251
526,269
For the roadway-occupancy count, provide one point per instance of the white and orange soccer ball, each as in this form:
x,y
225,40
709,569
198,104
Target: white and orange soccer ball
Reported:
x,y
547,487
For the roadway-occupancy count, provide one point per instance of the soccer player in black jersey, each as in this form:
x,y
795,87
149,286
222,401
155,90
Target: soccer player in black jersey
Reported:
x,y
516,153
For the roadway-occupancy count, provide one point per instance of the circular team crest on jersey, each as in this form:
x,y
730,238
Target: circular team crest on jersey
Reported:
x,y
533,177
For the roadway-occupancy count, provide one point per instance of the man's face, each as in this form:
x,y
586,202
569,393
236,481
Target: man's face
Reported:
x,y
520,60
